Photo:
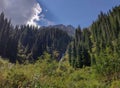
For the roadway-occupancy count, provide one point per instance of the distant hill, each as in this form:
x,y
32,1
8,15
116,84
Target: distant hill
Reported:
x,y
69,28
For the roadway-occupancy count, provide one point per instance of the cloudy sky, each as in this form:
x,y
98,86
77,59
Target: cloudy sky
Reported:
x,y
50,12
21,11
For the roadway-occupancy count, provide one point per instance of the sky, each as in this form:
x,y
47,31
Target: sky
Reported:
x,y
52,12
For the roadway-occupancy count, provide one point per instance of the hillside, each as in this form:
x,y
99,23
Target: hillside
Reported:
x,y
90,59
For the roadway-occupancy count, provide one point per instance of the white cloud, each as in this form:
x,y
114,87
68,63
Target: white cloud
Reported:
x,y
35,15
21,11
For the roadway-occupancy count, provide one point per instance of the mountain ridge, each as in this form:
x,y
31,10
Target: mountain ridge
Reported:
x,y
67,28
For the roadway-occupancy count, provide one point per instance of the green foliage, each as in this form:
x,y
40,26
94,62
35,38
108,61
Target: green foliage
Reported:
x,y
79,49
45,74
105,37
99,46
108,65
115,84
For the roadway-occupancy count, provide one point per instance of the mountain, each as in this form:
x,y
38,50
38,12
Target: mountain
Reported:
x,y
69,28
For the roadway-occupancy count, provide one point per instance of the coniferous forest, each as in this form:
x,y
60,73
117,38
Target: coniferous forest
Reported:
x,y
49,57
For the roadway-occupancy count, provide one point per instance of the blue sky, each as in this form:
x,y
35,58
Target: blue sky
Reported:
x,y
75,12
52,12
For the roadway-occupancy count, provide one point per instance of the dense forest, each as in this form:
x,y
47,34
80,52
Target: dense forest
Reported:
x,y
22,43
89,59
97,43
